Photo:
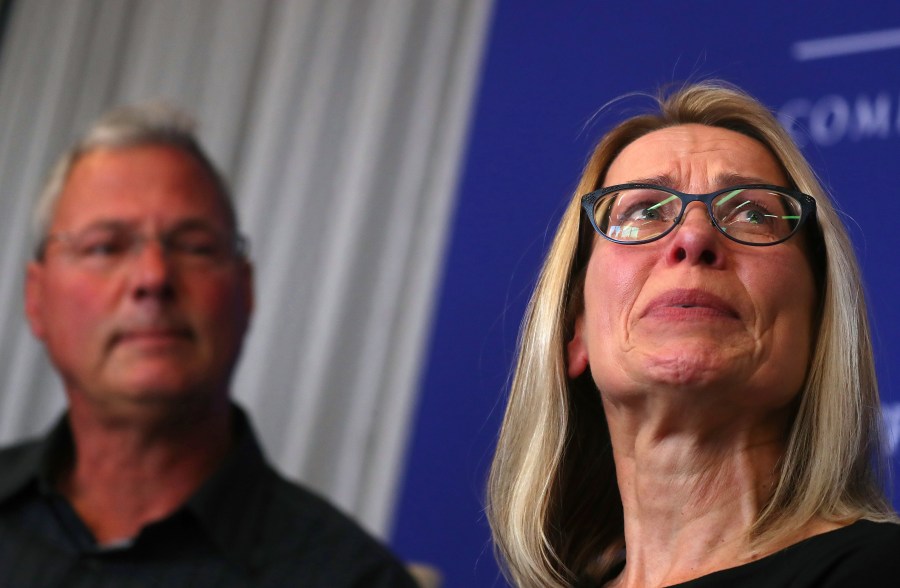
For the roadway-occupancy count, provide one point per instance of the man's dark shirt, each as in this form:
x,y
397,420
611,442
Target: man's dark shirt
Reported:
x,y
246,526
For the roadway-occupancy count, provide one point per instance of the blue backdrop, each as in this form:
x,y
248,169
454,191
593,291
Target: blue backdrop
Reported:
x,y
547,71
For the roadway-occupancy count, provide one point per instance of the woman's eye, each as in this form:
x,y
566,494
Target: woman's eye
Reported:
x,y
755,217
645,214
750,216
641,212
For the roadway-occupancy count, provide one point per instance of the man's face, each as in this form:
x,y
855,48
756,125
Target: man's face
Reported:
x,y
147,322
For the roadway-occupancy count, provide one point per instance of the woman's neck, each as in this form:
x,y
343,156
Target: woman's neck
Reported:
x,y
691,496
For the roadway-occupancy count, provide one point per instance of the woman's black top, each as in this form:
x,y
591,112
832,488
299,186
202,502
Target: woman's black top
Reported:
x,y
863,554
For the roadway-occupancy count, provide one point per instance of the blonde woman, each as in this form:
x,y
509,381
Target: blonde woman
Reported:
x,y
694,401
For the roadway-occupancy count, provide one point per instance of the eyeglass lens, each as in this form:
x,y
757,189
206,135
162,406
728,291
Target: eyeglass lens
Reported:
x,y
746,215
107,247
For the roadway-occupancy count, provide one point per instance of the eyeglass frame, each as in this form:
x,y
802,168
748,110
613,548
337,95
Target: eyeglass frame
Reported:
x,y
239,244
807,209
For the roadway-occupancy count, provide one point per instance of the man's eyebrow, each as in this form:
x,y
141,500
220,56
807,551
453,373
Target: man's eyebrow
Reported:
x,y
107,225
186,224
196,223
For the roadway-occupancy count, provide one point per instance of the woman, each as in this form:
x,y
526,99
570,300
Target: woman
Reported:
x,y
694,400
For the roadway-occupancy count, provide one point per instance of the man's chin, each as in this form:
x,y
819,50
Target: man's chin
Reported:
x,y
151,404
162,371
160,385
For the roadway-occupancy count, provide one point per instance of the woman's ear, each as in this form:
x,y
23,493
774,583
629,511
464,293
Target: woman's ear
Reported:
x,y
576,351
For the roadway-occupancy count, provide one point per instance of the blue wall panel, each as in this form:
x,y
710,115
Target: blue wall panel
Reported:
x,y
547,72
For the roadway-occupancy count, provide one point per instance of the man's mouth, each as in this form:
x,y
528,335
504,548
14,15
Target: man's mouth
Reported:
x,y
152,335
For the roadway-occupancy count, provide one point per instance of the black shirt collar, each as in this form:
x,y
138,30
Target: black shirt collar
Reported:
x,y
229,504
31,464
225,505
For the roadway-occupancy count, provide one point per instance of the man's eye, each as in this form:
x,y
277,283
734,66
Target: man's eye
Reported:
x,y
196,247
102,247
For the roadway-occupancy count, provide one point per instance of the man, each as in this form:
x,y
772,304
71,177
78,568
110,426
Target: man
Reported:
x,y
141,294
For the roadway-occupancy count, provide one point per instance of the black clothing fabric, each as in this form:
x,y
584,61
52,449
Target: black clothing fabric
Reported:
x,y
862,554
246,526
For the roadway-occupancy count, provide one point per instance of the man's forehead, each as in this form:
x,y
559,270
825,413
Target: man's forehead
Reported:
x,y
139,163
137,183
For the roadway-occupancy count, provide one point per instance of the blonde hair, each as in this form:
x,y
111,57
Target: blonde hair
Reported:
x,y
553,501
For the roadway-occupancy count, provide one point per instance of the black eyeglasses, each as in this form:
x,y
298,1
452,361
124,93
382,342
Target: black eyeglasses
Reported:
x,y
755,214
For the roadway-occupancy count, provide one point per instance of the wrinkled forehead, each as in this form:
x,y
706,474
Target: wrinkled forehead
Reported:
x,y
695,158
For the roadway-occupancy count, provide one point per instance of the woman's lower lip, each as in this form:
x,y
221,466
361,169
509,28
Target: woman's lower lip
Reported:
x,y
689,312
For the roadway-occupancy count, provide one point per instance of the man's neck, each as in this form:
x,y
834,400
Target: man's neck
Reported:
x,y
126,475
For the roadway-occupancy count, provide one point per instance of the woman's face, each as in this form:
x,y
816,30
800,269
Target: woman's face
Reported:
x,y
695,315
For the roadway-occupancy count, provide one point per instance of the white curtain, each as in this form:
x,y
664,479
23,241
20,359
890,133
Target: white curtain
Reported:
x,y
340,124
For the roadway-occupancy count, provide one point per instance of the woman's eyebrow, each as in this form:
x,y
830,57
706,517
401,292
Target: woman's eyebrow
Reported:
x,y
727,179
721,180
664,180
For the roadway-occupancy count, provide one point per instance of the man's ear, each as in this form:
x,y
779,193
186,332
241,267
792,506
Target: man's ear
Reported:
x,y
34,298
249,289
577,355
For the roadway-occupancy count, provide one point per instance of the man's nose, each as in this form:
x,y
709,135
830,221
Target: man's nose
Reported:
x,y
151,268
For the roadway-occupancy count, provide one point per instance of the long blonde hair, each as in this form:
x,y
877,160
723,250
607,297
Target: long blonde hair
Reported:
x,y
553,501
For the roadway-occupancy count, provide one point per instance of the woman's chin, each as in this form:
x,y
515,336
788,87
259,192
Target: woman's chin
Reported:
x,y
700,363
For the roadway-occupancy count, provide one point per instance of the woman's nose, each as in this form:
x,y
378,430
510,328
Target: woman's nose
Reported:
x,y
695,240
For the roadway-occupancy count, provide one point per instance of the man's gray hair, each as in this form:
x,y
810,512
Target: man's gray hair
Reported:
x,y
152,123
